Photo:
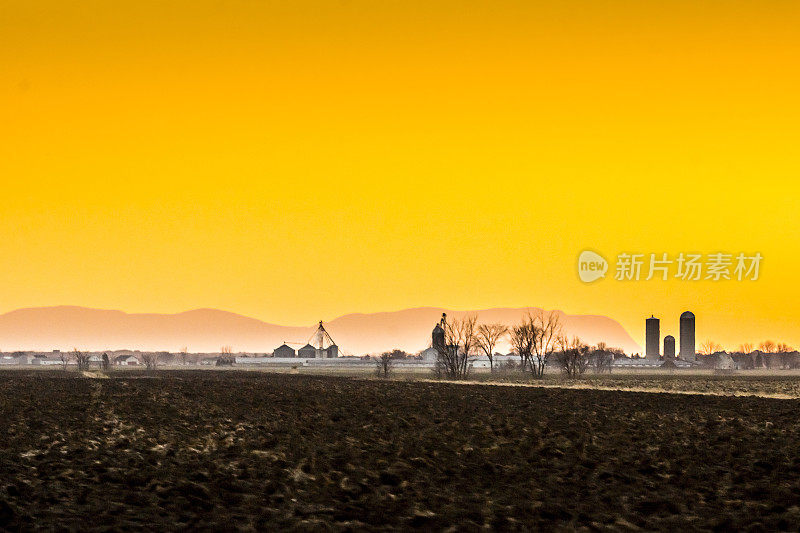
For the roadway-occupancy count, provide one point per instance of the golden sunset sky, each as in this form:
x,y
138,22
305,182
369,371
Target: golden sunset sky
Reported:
x,y
299,160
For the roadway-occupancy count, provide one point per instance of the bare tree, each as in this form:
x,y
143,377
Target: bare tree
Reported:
x,y
487,338
547,328
226,358
710,347
384,363
574,356
767,347
522,338
65,358
535,339
782,347
746,348
150,360
81,358
459,343
601,358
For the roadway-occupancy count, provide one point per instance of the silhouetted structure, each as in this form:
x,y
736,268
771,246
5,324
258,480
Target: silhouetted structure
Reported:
x,y
322,338
284,351
652,337
431,354
323,347
669,347
687,336
437,337
307,352
437,341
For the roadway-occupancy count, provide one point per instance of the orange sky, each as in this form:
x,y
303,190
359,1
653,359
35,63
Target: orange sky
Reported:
x,y
301,160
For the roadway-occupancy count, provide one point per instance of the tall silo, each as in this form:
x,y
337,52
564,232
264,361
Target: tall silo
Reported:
x,y
687,336
669,347
652,337
437,336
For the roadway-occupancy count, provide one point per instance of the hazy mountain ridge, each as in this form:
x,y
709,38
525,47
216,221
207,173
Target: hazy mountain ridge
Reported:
x,y
206,330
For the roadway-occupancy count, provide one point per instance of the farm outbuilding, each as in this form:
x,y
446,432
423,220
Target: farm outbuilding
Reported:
x,y
323,347
126,360
429,354
284,351
307,352
43,361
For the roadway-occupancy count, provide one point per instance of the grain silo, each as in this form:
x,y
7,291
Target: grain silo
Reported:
x,y
307,352
687,336
284,351
652,337
437,336
669,347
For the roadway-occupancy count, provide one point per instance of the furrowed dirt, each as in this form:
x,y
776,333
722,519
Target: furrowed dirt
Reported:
x,y
238,450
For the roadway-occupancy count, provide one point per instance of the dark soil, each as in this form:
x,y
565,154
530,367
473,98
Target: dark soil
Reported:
x,y
244,450
782,383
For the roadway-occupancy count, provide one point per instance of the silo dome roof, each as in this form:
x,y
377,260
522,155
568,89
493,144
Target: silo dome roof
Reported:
x,y
687,314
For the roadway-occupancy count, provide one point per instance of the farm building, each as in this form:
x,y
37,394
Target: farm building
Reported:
x,y
284,351
636,362
43,361
429,354
126,360
331,352
252,360
323,347
307,352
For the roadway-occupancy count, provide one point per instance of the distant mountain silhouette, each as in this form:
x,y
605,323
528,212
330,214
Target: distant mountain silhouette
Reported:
x,y
206,330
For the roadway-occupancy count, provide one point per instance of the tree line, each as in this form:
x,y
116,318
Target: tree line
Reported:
x,y
710,347
538,340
